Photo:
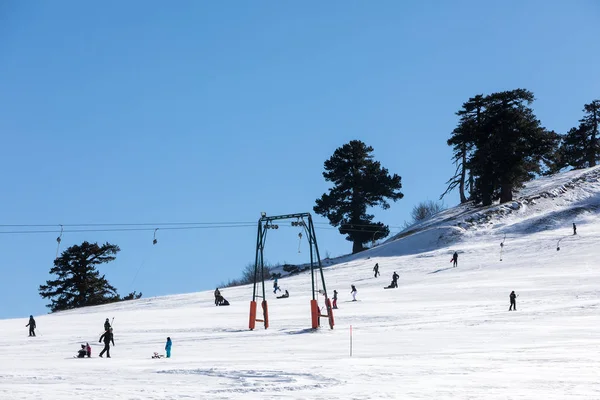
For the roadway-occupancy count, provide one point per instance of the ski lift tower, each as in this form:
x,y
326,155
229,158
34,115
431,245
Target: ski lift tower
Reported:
x,y
304,221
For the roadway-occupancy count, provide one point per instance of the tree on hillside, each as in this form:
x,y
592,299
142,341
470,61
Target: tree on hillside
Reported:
x,y
580,147
422,211
503,144
78,283
359,182
462,141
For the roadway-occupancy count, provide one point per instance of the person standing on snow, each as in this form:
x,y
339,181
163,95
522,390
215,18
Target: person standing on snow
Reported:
x,y
455,259
575,229
106,325
513,301
395,279
353,292
376,269
276,286
108,337
334,305
31,326
218,297
168,347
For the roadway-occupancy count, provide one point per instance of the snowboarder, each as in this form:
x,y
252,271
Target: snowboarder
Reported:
x,y
31,326
454,259
218,297
395,279
168,347
276,286
574,229
376,269
353,292
88,350
82,352
513,301
334,299
106,325
285,295
108,337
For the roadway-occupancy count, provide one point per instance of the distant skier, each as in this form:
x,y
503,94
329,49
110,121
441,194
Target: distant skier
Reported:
x,y
218,297
106,325
353,292
108,337
574,229
334,299
513,301
376,269
168,347
276,286
31,326
454,259
395,279
285,295
88,350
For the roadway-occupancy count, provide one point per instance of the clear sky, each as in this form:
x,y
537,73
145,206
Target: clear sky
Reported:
x,y
195,111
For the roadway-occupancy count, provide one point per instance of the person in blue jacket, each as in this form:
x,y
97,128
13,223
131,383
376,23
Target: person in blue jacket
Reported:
x,y
168,347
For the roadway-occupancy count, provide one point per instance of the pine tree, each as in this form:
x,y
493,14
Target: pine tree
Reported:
x,y
591,121
508,144
79,284
359,182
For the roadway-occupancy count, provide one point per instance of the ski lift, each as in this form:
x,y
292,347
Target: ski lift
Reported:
x,y
154,241
58,240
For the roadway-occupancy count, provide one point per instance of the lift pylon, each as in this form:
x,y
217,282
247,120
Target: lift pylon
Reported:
x,y
266,223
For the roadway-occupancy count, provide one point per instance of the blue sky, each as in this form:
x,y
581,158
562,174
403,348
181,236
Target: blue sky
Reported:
x,y
190,111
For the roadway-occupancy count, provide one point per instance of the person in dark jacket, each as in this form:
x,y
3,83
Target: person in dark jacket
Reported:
x,y
395,279
353,292
513,301
82,352
334,305
106,325
455,259
31,326
108,337
218,297
575,229
285,295
376,269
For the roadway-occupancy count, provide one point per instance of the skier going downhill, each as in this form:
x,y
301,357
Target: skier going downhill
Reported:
x,y
31,326
108,337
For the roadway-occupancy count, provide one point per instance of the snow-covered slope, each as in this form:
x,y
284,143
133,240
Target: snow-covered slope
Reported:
x,y
445,333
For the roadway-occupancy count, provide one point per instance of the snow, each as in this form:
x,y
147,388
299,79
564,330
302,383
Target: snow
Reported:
x,y
445,333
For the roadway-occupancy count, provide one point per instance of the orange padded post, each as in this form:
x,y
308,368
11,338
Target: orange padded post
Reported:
x,y
329,312
252,323
265,313
314,313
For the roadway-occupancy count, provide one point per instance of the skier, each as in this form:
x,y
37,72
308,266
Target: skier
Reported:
x,y
376,269
353,292
168,347
574,229
513,301
454,259
31,326
334,299
276,286
218,297
108,337
88,350
106,325
395,279
285,295
82,352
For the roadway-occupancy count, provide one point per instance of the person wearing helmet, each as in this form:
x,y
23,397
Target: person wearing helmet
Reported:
x,y
106,325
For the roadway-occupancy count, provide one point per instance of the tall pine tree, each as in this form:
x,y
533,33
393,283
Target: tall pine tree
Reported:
x,y
78,283
359,182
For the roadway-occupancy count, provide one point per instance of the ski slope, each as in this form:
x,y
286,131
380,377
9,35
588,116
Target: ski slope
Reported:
x,y
445,333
